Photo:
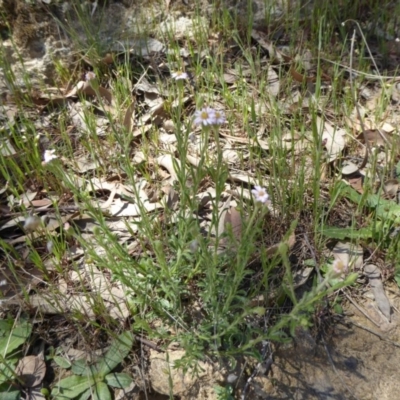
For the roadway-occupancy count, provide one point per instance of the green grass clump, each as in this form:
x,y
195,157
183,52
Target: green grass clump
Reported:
x,y
207,264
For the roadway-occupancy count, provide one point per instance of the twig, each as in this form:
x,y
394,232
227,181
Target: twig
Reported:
x,y
359,308
380,336
149,343
364,74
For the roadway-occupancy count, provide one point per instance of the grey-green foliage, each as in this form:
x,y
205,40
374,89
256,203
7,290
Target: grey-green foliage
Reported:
x,y
93,380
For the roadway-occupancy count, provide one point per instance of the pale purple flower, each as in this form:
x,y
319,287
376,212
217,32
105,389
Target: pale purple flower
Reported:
x,y
339,268
205,116
179,75
89,76
49,156
260,194
219,117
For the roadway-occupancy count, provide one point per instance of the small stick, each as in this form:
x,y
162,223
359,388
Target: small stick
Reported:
x,y
396,344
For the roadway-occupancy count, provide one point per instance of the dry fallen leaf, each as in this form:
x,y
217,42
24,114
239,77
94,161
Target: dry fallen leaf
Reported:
x,y
272,250
31,371
234,220
129,118
274,54
333,138
168,162
273,82
391,187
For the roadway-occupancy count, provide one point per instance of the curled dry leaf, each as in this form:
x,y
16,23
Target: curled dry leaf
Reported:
x,y
333,138
273,82
86,89
129,119
299,77
168,162
391,187
274,54
349,169
272,250
375,137
31,371
357,184
233,219
374,275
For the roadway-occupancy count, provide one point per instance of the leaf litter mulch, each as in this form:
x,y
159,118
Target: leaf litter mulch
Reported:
x,y
34,212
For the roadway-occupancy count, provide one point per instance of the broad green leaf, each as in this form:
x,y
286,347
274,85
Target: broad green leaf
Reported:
x,y
115,355
71,387
85,395
6,370
7,392
5,326
101,392
62,362
14,338
79,367
118,380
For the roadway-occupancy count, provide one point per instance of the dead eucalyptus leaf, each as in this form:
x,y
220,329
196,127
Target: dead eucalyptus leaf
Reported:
x,y
374,137
85,88
349,169
172,198
374,276
31,370
234,220
273,82
300,77
357,184
223,210
272,250
391,187
84,164
274,54
333,138
167,161
129,118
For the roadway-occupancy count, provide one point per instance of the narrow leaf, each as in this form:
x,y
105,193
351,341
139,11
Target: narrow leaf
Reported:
x,y
343,233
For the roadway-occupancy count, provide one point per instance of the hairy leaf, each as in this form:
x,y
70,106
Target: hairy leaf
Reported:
x,y
118,380
72,387
12,339
117,352
101,392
